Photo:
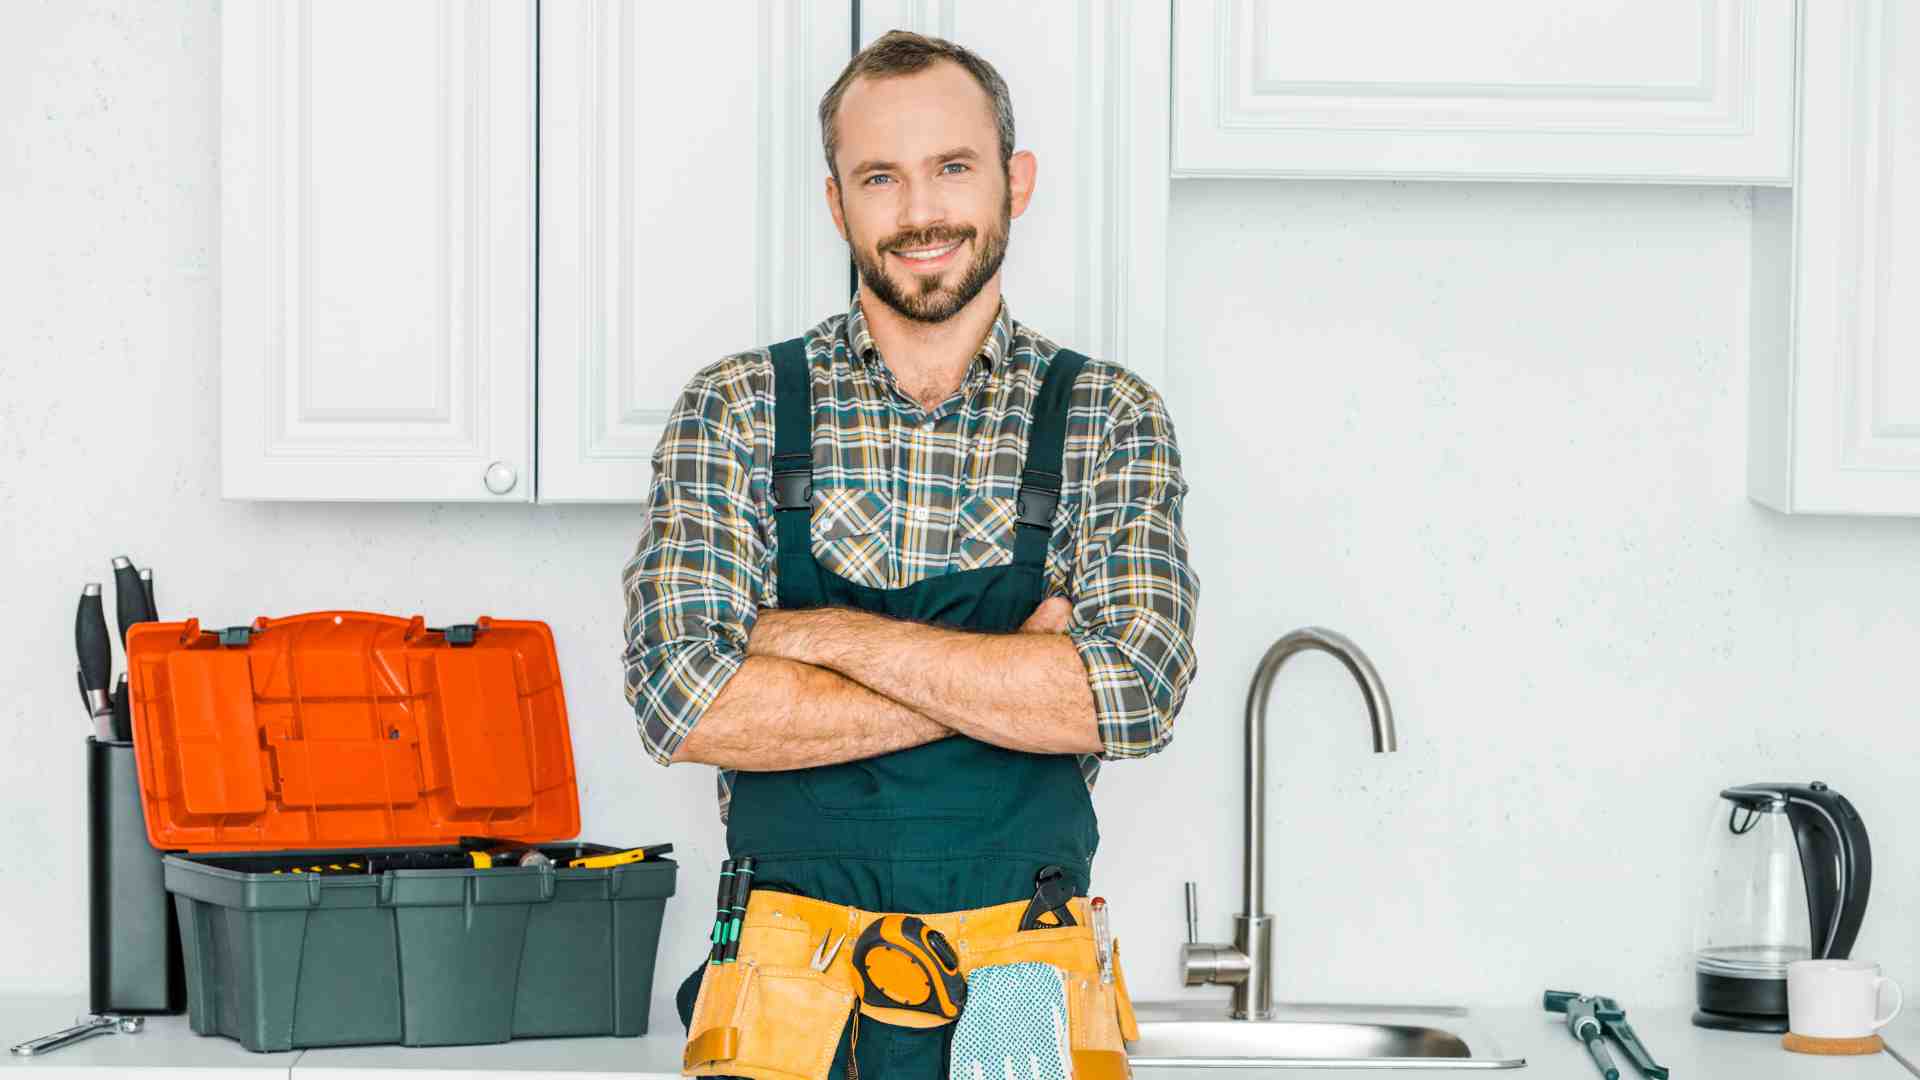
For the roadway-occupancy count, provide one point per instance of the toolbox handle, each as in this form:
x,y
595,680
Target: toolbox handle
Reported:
x,y
458,635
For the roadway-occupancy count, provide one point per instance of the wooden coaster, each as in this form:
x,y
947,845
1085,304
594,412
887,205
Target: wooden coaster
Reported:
x,y
1807,1044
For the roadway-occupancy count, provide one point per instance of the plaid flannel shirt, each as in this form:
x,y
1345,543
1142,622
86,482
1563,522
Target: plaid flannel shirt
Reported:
x,y
902,494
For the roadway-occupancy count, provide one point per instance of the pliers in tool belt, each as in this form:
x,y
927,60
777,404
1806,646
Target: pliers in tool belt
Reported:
x,y
1051,891
823,954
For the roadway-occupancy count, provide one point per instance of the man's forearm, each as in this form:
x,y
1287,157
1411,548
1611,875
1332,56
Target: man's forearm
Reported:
x,y
775,714
1020,691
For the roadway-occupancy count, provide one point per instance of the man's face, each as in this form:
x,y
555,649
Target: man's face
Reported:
x,y
922,200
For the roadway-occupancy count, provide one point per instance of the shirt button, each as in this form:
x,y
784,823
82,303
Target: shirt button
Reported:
x,y
920,513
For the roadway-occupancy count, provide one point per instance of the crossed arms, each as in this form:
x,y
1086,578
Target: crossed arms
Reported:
x,y
834,684
716,678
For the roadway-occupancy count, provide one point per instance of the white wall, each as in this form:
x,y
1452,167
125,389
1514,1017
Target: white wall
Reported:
x,y
1494,433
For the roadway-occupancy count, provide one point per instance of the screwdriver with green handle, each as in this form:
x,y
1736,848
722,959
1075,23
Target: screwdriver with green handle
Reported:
x,y
1589,1018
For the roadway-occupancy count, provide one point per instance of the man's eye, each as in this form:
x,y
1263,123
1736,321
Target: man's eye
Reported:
x,y
956,165
877,176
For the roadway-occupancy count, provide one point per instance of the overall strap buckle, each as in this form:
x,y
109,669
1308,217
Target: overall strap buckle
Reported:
x,y
793,482
1039,497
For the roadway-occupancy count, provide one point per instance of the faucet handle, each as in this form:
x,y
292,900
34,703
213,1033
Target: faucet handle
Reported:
x,y
1212,963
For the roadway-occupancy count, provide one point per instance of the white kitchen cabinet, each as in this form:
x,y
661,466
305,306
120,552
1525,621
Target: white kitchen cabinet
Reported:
x,y
379,208
1668,91
683,213
1834,423
1086,263
377,229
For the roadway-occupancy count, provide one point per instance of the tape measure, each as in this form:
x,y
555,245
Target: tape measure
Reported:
x,y
909,973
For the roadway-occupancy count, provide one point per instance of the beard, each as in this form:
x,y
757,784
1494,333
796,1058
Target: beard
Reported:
x,y
922,297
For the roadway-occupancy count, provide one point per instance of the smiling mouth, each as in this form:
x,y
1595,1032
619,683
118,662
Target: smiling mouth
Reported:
x,y
927,256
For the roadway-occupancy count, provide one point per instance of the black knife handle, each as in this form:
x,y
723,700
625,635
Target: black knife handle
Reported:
x,y
129,599
146,589
90,641
122,711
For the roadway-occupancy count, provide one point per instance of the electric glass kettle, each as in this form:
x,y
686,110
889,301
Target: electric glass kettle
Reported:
x,y
1788,872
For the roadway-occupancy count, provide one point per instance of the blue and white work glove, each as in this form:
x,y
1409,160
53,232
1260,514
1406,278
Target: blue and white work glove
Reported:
x,y
1014,1025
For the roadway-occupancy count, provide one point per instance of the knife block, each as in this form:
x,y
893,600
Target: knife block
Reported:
x,y
133,937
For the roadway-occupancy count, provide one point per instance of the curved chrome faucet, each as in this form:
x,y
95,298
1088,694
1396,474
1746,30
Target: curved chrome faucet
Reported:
x,y
1247,964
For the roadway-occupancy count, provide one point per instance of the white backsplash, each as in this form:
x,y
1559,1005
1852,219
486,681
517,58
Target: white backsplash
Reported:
x,y
1494,433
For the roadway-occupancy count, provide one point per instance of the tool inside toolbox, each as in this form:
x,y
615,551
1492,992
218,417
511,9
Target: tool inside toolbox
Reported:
x,y
473,854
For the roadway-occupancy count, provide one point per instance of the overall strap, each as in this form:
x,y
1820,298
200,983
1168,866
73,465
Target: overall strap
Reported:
x,y
1040,480
793,475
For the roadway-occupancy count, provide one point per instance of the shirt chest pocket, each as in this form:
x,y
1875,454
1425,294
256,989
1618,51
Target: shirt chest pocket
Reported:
x,y
983,532
851,534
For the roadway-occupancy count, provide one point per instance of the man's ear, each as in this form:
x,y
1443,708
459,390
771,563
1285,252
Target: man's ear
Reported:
x,y
833,206
1021,170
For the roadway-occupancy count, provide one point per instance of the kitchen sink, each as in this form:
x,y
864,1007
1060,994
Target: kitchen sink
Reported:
x,y
1196,1035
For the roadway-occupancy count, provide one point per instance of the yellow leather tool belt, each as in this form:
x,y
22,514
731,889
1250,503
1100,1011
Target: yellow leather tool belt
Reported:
x,y
772,1015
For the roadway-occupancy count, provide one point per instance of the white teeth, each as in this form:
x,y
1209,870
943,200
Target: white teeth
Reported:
x,y
928,254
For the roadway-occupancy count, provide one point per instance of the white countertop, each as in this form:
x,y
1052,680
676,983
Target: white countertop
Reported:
x,y
166,1042
169,1044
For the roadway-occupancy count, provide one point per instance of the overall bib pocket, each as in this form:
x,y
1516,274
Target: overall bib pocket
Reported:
x,y
956,779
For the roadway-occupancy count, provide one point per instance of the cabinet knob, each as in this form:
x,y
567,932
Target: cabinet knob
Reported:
x,y
501,478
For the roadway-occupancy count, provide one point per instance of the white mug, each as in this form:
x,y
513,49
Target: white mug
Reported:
x,y
1837,999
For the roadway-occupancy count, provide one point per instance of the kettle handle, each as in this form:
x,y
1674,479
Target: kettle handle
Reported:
x,y
1837,863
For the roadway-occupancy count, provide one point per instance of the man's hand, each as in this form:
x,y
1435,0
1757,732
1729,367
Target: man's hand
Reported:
x,y
1051,617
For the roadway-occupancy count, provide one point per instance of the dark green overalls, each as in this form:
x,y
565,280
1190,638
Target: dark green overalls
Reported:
x,y
948,826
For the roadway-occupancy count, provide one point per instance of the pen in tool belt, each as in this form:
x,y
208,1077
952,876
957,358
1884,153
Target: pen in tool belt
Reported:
x,y
720,911
95,650
737,911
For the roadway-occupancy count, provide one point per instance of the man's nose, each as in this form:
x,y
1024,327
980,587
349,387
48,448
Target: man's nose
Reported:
x,y
922,206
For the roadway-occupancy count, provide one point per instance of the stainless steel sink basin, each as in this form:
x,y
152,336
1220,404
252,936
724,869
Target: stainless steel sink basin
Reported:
x,y
1196,1035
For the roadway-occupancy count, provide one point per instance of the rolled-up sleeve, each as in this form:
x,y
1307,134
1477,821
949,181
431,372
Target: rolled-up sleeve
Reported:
x,y
1135,595
693,584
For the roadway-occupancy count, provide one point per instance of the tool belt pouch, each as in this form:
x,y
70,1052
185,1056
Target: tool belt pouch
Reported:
x,y
768,1015
1100,1018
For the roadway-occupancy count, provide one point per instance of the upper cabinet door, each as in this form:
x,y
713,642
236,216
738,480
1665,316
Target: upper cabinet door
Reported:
x,y
1086,263
377,250
1834,426
683,213
1688,91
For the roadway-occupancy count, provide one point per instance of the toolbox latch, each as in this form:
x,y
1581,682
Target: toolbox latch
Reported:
x,y
239,636
461,633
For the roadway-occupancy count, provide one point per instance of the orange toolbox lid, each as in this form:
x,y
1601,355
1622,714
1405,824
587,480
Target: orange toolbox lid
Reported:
x,y
344,729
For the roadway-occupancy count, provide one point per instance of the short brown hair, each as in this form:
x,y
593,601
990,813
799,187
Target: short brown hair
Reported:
x,y
903,52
